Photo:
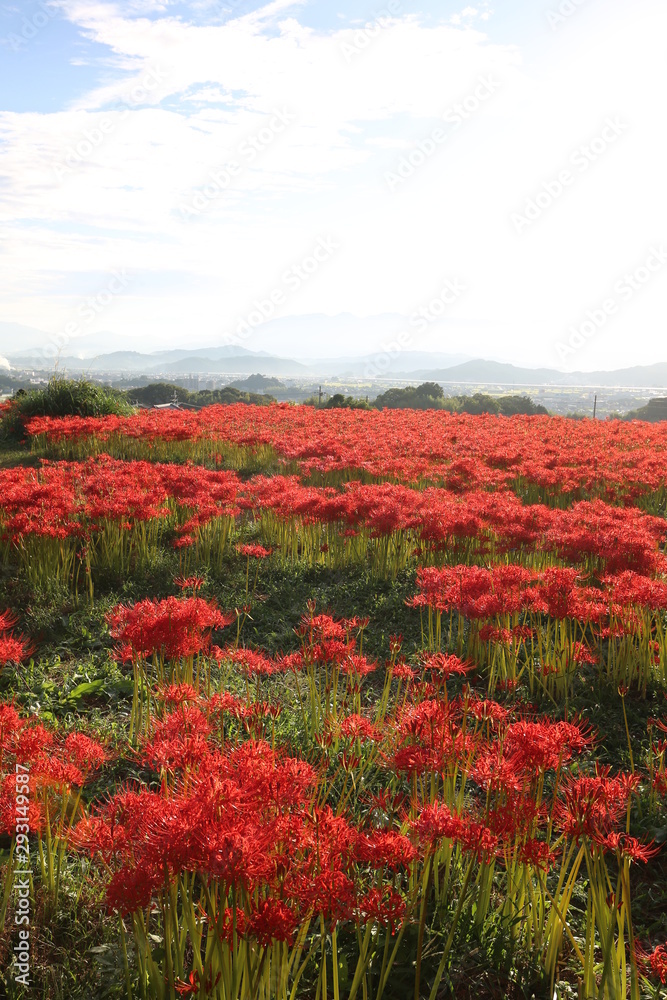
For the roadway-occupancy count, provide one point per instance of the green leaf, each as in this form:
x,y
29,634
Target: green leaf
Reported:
x,y
84,690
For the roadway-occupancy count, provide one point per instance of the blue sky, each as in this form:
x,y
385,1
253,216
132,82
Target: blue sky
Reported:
x,y
48,61
203,149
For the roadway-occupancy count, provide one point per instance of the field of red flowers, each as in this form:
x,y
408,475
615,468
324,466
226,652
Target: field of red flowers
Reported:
x,y
304,704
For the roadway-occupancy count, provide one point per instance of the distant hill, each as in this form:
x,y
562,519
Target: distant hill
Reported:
x,y
654,411
221,360
497,373
257,383
235,364
385,363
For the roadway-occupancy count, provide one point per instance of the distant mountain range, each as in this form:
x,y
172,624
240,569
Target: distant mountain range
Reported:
x,y
404,366
496,373
214,360
232,360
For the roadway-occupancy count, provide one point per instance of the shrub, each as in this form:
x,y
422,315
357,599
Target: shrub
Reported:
x,y
167,392
430,396
61,398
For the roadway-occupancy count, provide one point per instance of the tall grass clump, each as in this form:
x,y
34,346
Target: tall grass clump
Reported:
x,y
62,397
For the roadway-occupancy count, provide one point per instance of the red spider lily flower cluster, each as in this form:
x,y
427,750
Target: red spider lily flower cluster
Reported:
x,y
173,628
551,455
539,550
13,648
79,498
56,765
657,962
253,551
133,504
193,583
248,819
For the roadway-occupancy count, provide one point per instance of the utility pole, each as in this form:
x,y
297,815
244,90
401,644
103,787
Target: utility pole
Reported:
x,y
320,397
595,405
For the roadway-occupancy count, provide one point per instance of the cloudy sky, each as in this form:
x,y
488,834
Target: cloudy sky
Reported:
x,y
484,180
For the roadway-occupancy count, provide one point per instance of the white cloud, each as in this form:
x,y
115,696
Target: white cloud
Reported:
x,y
213,87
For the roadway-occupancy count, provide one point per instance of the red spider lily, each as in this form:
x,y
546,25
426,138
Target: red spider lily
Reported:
x,y
489,633
290,661
545,745
657,962
148,833
174,627
323,627
10,724
385,906
629,847
395,644
193,583
536,853
386,801
437,822
500,770
7,620
272,920
53,770
177,694
83,752
189,988
580,653
253,551
13,649
443,665
180,741
356,727
223,702
385,849
593,805
402,671
250,661
355,665
485,709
